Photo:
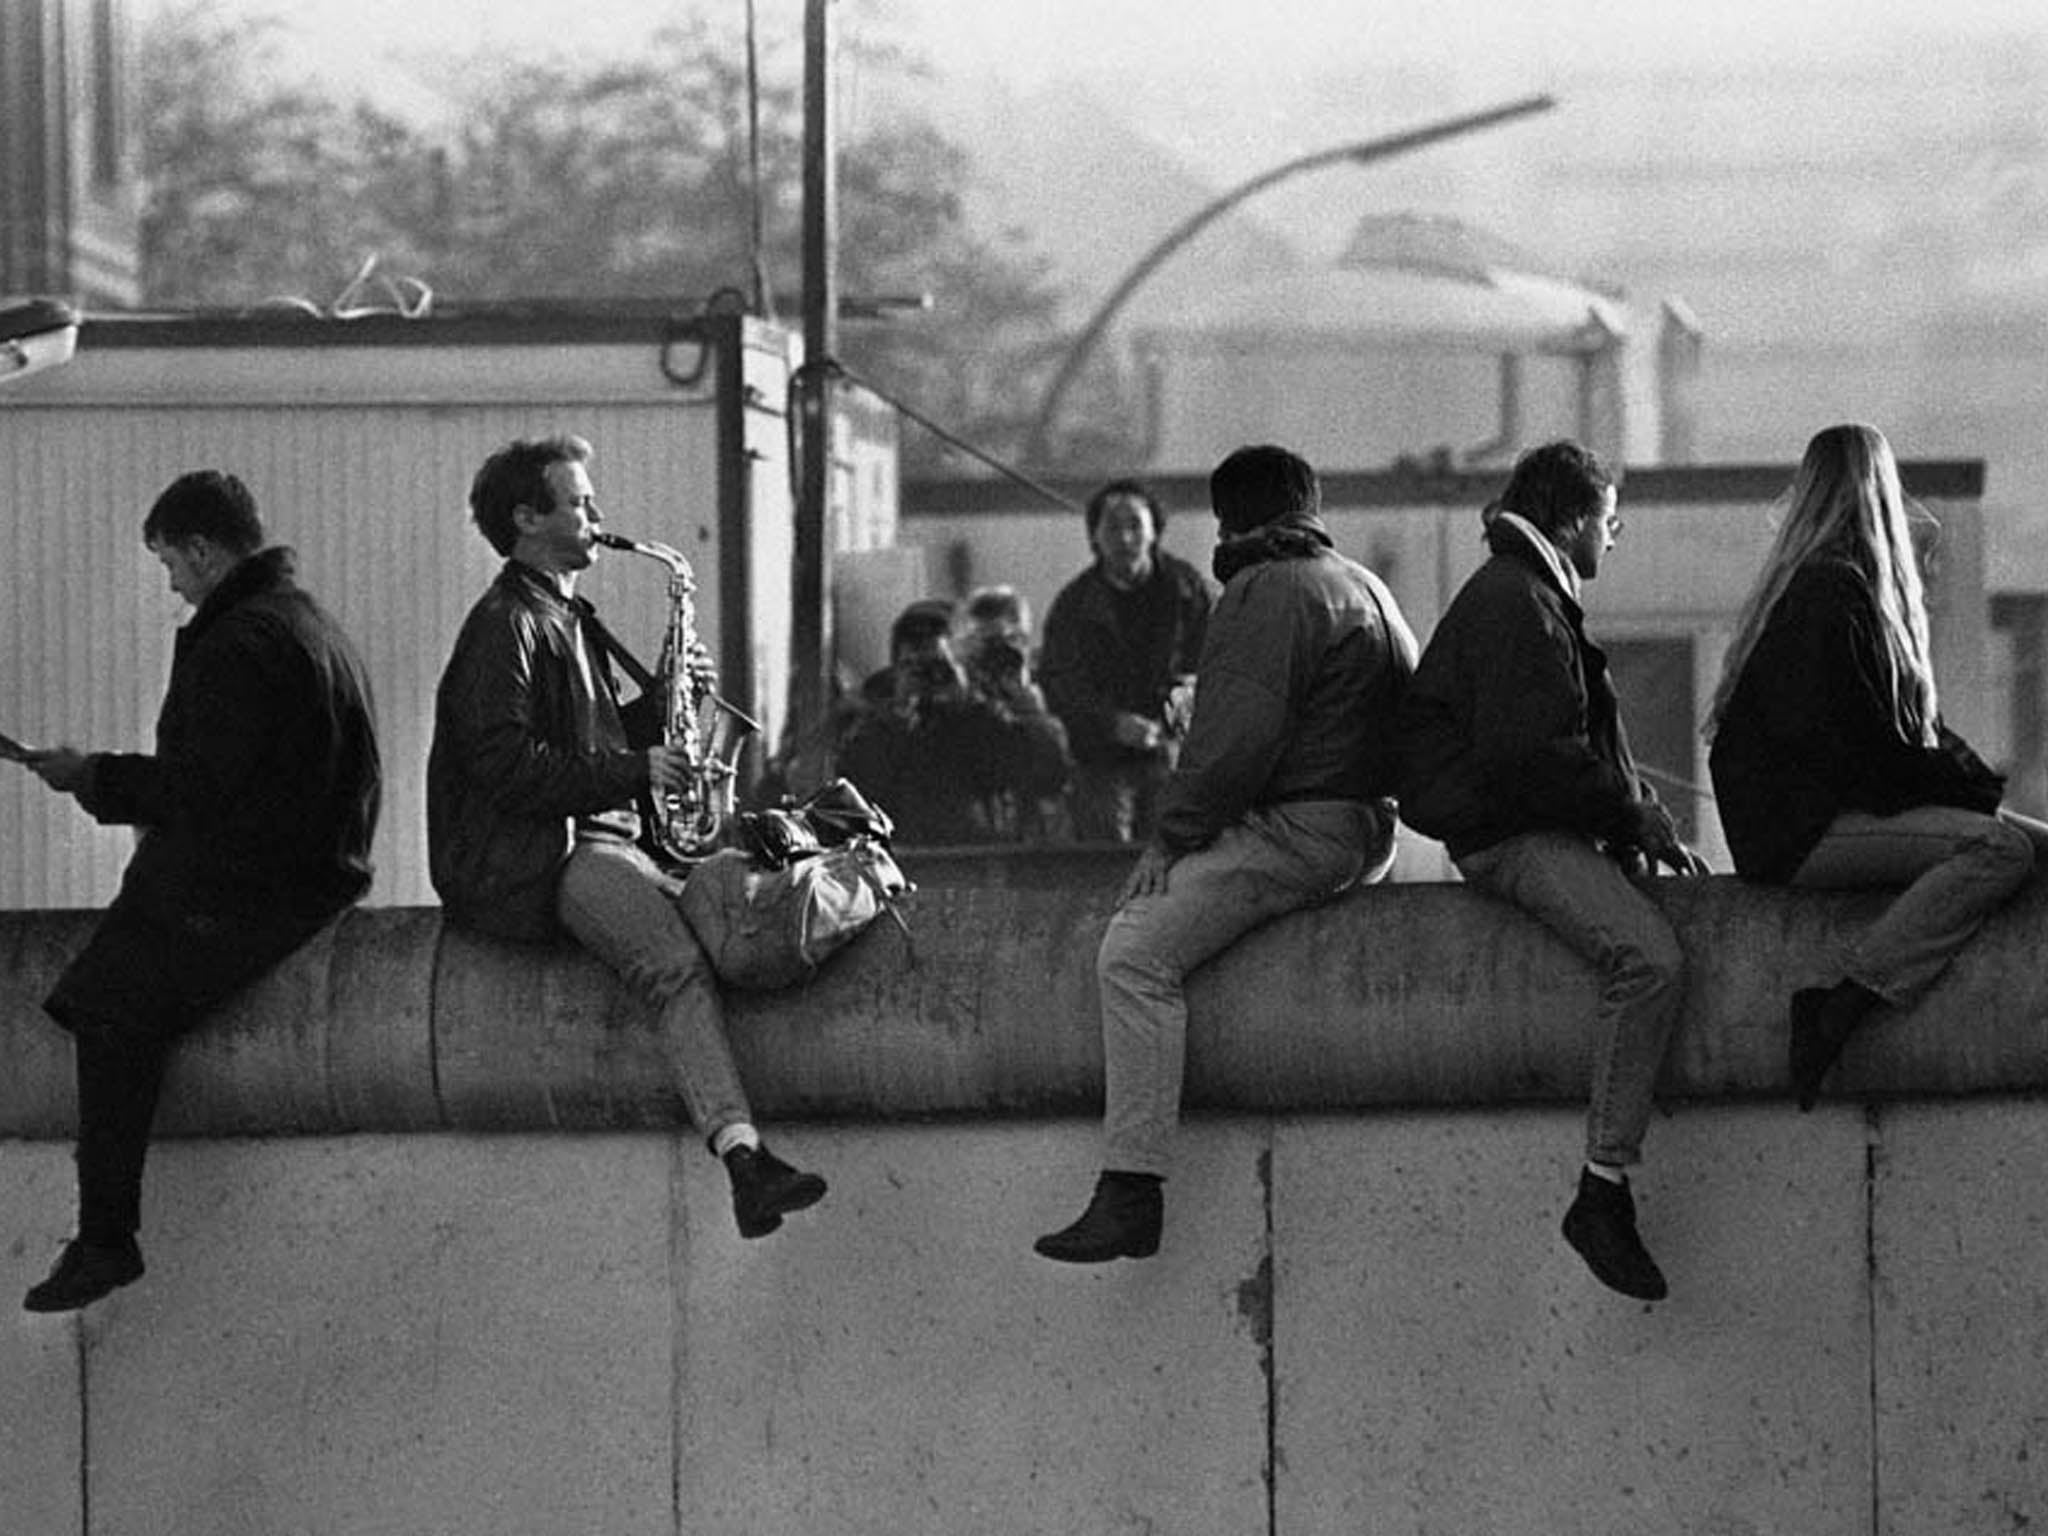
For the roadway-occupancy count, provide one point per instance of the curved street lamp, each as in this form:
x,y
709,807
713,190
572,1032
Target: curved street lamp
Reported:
x,y
1355,154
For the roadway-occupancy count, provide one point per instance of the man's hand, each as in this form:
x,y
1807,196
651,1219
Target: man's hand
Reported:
x,y
925,681
1655,834
65,769
1684,861
1149,878
701,666
668,769
1130,730
1179,712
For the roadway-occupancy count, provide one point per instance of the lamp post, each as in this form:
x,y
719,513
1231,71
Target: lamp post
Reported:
x,y
1364,153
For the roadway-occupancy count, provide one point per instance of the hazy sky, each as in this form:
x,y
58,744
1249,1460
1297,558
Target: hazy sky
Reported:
x,y
1226,64
1230,87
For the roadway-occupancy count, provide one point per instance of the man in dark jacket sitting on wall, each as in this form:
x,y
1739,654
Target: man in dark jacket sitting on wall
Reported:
x,y
256,812
1279,801
1514,756
531,827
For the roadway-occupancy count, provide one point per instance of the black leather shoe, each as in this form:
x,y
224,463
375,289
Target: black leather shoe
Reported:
x,y
1122,1222
1601,1225
1823,1018
1812,1051
85,1272
765,1189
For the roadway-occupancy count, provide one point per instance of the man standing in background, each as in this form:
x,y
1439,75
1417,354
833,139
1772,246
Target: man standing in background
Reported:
x,y
1117,639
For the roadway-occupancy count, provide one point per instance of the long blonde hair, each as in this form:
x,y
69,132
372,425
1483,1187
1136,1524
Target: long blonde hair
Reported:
x,y
1845,504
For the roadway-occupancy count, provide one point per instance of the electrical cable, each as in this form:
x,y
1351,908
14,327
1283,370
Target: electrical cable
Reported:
x,y
952,440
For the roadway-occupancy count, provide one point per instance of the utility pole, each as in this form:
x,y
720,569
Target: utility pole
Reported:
x,y
810,625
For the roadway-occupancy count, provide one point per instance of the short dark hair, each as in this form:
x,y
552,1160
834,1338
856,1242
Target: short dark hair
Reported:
x,y
1256,485
926,619
1556,485
517,476
1136,490
205,504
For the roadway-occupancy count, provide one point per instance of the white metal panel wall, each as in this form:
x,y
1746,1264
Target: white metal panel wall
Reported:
x,y
373,498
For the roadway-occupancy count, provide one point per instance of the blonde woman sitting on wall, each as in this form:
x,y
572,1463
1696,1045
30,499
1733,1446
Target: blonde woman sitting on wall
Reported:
x,y
1830,760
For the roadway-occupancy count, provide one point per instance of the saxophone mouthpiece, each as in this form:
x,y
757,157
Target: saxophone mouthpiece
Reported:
x,y
673,559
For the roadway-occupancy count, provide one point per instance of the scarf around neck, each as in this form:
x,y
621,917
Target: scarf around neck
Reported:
x,y
1294,536
1551,557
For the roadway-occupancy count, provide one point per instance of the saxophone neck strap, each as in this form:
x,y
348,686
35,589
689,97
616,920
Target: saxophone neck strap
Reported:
x,y
610,644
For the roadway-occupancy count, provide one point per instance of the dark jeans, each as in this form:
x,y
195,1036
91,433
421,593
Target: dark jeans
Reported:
x,y
1954,868
142,980
1582,896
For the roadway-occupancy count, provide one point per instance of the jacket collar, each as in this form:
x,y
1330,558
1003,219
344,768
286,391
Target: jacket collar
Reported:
x,y
1514,535
265,571
1292,536
521,577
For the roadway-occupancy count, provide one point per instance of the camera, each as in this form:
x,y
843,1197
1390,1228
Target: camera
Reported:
x,y
929,674
1000,661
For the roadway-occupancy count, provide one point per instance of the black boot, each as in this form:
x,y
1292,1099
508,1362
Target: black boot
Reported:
x,y
1122,1222
1823,1018
1601,1225
84,1273
765,1189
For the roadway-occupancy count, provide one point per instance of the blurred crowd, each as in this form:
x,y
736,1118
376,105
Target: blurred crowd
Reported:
x,y
978,731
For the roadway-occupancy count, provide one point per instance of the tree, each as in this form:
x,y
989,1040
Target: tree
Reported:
x,y
250,185
626,180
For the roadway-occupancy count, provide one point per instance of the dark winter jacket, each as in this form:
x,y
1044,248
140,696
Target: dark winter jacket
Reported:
x,y
1512,724
1301,678
261,797
528,744
1110,652
1809,731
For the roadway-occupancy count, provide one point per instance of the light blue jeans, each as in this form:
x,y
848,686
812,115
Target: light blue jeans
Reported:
x,y
623,908
1276,860
1957,867
1578,893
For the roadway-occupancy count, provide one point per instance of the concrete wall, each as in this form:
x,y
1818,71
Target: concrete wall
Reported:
x,y
430,1252
1357,1324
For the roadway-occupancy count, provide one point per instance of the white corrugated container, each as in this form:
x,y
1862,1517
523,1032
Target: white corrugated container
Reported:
x,y
358,440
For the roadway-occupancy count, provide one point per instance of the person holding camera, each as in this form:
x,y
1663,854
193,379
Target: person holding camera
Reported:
x,y
951,751
996,652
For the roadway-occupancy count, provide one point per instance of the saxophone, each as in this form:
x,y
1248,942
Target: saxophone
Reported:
x,y
692,821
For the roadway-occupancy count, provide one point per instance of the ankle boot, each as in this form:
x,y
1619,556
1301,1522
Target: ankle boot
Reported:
x,y
1122,1222
1823,1018
86,1270
1601,1226
765,1189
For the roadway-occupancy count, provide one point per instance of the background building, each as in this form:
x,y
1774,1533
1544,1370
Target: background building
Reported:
x,y
70,206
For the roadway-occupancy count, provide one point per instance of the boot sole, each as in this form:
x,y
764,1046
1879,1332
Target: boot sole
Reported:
x,y
800,1196
1046,1248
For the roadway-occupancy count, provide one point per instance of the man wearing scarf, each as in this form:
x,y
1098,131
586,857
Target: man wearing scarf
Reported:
x,y
1514,756
1281,799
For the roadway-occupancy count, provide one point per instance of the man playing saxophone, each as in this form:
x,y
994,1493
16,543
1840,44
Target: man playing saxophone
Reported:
x,y
531,826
